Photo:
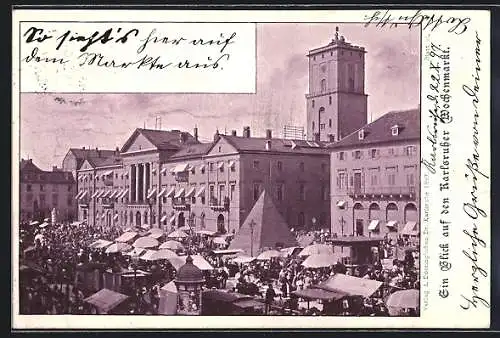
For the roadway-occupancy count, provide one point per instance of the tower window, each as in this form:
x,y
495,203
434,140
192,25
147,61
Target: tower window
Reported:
x,y
330,123
314,57
350,71
321,110
313,126
331,53
322,55
313,103
323,85
330,100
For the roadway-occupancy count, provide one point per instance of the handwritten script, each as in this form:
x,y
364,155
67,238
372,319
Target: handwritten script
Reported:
x,y
432,22
473,206
218,47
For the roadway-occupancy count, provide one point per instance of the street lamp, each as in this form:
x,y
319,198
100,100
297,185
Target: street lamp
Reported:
x,y
252,224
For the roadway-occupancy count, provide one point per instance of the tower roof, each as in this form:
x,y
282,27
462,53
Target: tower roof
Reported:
x,y
269,228
337,42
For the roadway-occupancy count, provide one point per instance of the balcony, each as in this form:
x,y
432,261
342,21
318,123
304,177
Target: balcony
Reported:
x,y
383,192
108,203
84,202
180,204
182,176
217,205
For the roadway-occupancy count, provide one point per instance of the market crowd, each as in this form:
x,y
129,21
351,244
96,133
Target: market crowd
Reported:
x,y
51,257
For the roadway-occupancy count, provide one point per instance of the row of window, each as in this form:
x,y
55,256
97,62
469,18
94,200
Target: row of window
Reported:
x,y
280,192
375,153
42,200
55,187
322,126
342,180
360,54
302,166
330,100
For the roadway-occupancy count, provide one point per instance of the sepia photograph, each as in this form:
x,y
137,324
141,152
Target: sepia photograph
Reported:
x,y
299,199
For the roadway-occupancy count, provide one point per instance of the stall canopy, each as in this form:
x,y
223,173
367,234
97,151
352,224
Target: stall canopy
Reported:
x,y
135,252
106,300
163,254
34,223
127,236
315,249
178,234
317,293
321,260
352,286
102,243
285,252
305,240
205,232
264,227
410,229
145,242
118,247
148,255
227,252
156,233
198,261
406,299
172,245
243,259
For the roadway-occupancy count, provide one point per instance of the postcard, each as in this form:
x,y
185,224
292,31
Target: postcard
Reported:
x,y
236,168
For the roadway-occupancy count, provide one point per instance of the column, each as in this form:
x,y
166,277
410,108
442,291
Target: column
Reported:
x,y
137,167
131,192
144,181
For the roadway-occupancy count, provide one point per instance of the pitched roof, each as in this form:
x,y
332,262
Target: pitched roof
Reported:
x,y
192,150
258,144
30,173
269,228
83,154
379,131
105,161
28,166
163,139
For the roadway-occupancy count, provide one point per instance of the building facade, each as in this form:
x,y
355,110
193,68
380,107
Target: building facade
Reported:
x,y
75,157
169,179
375,178
42,191
216,185
336,102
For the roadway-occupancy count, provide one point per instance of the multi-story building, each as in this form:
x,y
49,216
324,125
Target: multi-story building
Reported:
x,y
216,185
116,186
336,102
375,174
42,191
75,157
169,178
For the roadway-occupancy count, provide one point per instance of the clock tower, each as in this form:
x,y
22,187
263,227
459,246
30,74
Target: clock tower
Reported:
x,y
336,102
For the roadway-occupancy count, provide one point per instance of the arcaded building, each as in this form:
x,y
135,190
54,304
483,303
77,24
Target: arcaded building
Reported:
x,y
375,178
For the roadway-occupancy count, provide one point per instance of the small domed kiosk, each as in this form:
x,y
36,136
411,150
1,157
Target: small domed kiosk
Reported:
x,y
189,281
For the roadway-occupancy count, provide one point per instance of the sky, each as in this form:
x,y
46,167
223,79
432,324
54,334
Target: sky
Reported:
x,y
49,127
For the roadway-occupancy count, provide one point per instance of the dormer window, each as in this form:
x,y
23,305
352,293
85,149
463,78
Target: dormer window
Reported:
x,y
361,134
395,130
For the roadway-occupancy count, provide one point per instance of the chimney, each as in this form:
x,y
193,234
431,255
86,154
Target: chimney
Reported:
x,y
117,151
54,168
246,132
331,137
268,145
195,133
269,134
183,137
83,148
316,137
233,132
216,135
